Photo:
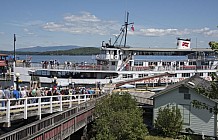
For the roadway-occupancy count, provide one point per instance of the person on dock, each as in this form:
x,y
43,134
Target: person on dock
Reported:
x,y
2,96
7,93
16,94
23,94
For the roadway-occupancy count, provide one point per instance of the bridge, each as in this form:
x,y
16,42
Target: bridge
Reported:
x,y
68,114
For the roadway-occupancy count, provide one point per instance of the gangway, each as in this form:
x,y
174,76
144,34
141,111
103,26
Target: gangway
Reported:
x,y
58,126
142,78
125,63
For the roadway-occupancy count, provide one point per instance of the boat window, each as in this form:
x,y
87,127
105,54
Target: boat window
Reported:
x,y
201,73
205,63
124,75
142,75
185,74
127,76
42,72
113,63
152,63
192,63
139,63
181,63
115,52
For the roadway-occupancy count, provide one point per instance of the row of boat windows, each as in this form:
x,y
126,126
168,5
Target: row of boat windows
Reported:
x,y
176,75
140,63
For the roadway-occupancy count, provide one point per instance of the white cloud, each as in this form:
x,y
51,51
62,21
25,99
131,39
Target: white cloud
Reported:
x,y
212,33
27,31
83,24
159,32
85,17
87,23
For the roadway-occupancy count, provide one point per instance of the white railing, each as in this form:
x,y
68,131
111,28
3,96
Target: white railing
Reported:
x,y
24,106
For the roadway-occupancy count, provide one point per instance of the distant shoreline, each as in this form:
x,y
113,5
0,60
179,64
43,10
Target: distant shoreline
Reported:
x,y
76,51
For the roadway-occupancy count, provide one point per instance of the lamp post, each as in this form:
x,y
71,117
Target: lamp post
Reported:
x,y
17,75
14,48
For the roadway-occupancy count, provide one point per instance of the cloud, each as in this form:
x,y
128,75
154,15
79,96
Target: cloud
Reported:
x,y
87,23
159,32
174,32
85,17
27,31
83,24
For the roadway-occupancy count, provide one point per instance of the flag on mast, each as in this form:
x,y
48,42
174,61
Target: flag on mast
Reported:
x,y
133,29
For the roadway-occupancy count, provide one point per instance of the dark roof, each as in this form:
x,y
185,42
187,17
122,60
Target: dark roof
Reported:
x,y
192,82
167,49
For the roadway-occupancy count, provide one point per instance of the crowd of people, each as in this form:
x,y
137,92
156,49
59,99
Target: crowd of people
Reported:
x,y
23,92
50,64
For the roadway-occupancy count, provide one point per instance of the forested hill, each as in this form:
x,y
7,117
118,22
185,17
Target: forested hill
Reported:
x,y
76,51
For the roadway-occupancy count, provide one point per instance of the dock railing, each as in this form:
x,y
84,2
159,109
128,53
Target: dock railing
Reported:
x,y
31,106
57,126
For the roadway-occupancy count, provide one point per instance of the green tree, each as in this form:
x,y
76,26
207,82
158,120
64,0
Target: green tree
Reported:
x,y
169,121
118,118
210,92
213,45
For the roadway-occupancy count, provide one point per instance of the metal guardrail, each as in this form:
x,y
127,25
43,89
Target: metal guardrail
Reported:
x,y
56,127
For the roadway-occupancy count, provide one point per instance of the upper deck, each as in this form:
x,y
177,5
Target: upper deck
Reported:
x,y
167,51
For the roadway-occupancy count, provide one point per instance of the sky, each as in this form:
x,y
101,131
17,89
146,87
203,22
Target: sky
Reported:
x,y
157,23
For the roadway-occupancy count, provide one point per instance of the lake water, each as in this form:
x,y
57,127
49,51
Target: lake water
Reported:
x,y
91,58
60,58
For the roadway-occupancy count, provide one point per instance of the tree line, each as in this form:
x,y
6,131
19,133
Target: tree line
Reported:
x,y
76,51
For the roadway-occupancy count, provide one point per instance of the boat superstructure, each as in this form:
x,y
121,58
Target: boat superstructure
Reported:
x,y
117,63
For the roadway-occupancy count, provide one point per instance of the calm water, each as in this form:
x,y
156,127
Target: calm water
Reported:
x,y
60,58
91,59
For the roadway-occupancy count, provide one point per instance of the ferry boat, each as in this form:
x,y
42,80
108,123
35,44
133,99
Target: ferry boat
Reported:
x,y
123,64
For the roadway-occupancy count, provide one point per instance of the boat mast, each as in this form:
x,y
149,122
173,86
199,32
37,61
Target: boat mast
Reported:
x,y
126,25
123,31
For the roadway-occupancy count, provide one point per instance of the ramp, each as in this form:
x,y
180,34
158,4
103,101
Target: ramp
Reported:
x,y
142,78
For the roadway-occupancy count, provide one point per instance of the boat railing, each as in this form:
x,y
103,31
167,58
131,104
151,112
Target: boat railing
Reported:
x,y
62,66
168,68
95,67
